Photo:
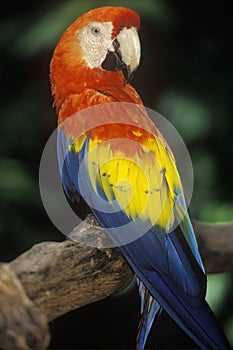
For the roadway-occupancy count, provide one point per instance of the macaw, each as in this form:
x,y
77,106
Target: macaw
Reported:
x,y
127,165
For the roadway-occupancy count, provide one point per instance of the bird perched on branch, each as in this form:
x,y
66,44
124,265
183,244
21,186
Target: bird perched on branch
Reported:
x,y
112,155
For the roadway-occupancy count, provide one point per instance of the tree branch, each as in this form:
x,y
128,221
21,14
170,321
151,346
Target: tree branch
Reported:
x,y
53,278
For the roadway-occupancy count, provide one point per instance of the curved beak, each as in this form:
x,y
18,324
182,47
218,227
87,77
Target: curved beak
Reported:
x,y
124,53
129,49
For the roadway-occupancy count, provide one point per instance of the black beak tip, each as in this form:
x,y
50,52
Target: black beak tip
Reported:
x,y
128,74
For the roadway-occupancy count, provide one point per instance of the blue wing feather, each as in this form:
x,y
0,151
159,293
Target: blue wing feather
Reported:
x,y
150,310
190,312
67,163
165,263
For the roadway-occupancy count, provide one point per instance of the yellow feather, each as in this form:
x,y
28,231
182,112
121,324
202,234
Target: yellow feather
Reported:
x,y
144,184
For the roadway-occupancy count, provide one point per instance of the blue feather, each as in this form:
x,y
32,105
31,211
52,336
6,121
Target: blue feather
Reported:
x,y
167,264
150,310
191,312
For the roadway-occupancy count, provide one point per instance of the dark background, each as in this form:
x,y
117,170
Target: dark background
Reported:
x,y
185,74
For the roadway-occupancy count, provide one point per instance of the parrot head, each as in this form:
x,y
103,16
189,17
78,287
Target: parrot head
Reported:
x,y
101,46
111,43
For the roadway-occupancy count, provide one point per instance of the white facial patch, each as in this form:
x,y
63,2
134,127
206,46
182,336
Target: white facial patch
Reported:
x,y
96,41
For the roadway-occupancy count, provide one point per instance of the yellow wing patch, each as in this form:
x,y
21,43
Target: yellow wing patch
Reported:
x,y
144,184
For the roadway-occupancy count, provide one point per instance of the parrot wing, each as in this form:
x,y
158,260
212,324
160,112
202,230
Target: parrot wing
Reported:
x,y
128,177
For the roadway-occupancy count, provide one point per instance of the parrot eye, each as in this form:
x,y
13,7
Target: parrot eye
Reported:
x,y
95,31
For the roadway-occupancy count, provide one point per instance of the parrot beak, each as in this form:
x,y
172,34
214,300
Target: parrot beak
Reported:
x,y
124,53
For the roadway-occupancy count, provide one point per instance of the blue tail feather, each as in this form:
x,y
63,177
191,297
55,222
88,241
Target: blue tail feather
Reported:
x,y
192,313
150,311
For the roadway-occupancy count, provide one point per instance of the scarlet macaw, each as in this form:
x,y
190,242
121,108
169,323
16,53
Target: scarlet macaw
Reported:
x,y
135,174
